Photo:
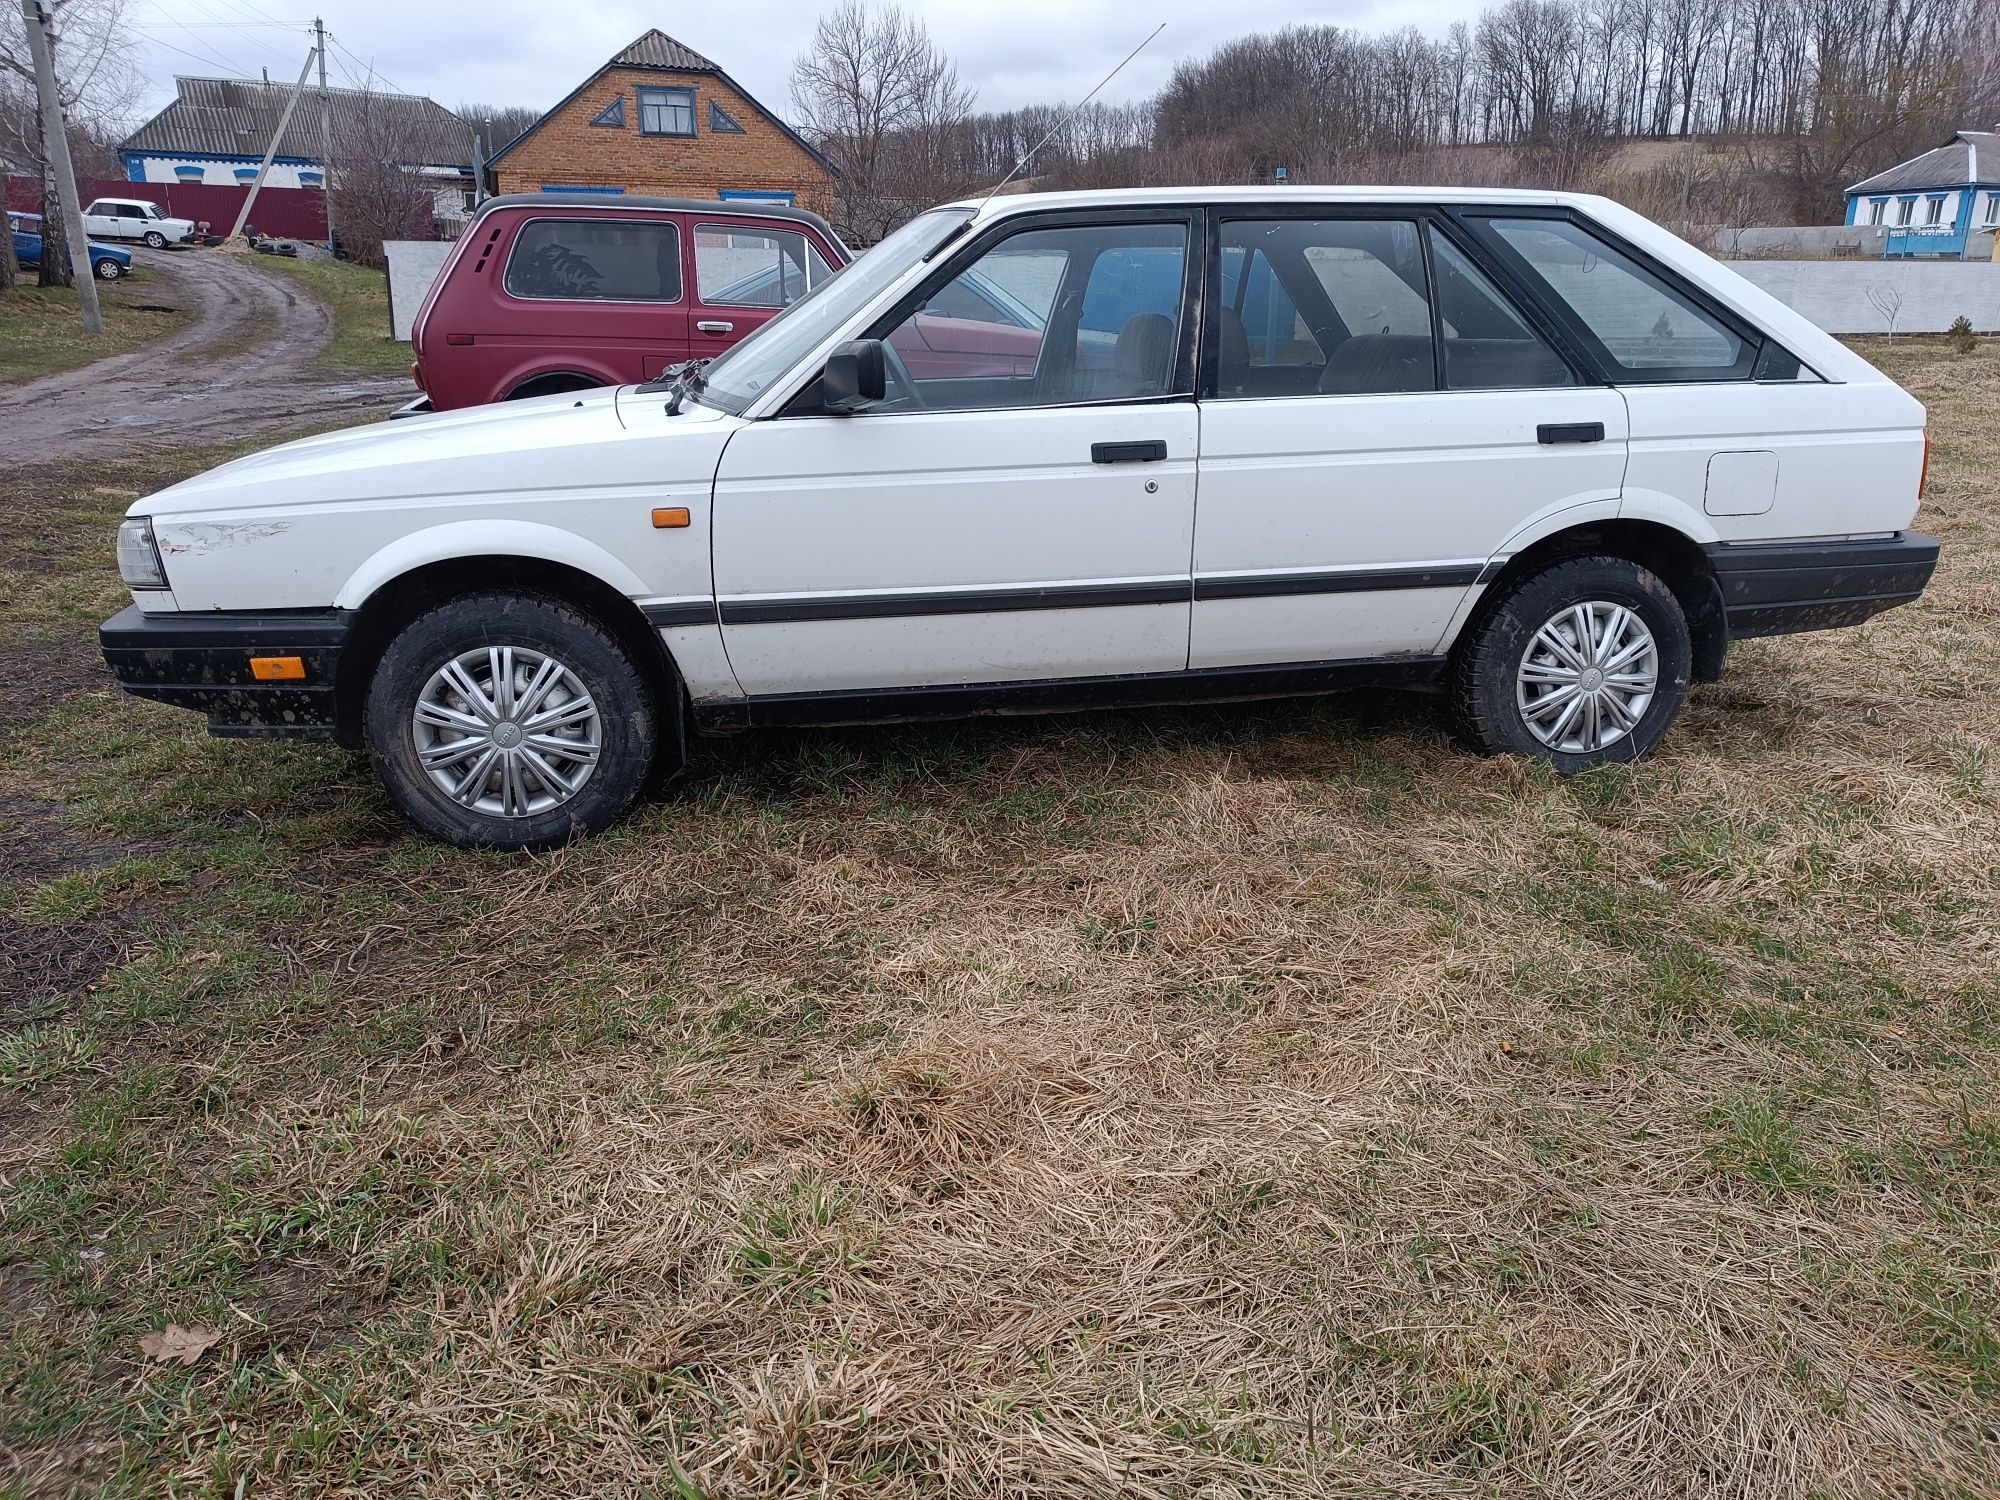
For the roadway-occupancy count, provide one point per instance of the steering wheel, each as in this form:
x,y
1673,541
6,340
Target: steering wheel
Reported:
x,y
898,375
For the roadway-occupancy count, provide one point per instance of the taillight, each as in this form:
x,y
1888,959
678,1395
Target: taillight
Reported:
x,y
1924,476
417,375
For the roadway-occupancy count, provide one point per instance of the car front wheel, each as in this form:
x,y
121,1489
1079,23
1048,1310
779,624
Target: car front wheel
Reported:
x,y
109,270
507,721
1581,663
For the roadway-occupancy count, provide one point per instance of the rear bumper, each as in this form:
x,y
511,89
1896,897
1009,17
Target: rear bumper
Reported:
x,y
1779,588
417,408
202,662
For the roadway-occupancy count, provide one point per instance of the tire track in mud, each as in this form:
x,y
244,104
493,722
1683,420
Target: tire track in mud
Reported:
x,y
243,366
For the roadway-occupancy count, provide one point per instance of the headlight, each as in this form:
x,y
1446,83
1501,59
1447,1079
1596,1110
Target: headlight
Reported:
x,y
139,555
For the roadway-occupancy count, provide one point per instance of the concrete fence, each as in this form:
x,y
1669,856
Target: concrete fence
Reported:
x,y
1844,296
413,266
1852,241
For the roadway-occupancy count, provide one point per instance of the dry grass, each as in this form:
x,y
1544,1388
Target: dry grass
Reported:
x,y
1260,1101
41,330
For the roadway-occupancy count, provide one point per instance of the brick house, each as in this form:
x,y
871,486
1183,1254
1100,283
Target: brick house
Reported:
x,y
661,118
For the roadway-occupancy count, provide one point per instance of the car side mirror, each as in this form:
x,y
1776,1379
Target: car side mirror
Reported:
x,y
856,377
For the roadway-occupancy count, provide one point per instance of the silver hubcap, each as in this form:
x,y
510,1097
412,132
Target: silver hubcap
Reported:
x,y
1588,677
507,731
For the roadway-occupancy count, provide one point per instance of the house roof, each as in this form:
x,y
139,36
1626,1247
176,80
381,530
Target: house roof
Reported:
x,y
235,117
1970,156
658,52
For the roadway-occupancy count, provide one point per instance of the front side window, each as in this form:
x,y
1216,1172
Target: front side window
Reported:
x,y
735,267
596,260
1644,328
1057,317
666,111
1324,307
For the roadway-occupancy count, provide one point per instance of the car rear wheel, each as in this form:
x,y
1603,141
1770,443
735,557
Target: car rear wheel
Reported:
x,y
109,270
157,240
510,721
1579,664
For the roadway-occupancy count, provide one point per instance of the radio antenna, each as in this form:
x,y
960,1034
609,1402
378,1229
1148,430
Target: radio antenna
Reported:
x,y
1068,119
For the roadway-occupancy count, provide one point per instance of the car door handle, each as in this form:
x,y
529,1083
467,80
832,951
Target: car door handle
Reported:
x,y
1128,453
1570,432
715,325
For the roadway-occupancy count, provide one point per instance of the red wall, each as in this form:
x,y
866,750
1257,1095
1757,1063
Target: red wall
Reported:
x,y
290,213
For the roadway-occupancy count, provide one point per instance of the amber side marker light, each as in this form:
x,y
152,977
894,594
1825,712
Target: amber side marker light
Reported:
x,y
278,668
1924,474
673,518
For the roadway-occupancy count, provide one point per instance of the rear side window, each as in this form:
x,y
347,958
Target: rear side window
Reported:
x,y
1488,346
596,260
1330,307
738,267
1645,329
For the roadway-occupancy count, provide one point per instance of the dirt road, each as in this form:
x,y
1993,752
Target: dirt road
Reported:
x,y
245,364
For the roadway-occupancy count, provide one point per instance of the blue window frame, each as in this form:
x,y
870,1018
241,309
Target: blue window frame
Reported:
x,y
613,114
753,195
719,121
582,187
666,111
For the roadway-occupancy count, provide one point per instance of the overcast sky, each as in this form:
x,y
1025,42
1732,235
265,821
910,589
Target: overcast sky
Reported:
x,y
533,52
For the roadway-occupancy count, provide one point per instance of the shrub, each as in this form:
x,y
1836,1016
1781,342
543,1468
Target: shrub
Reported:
x,y
1960,335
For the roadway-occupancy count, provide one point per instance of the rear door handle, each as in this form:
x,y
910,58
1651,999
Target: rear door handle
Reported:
x,y
715,325
1570,432
1128,453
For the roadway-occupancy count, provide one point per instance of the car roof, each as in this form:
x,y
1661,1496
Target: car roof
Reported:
x,y
1008,204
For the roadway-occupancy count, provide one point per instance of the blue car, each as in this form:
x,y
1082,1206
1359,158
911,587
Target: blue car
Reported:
x,y
107,262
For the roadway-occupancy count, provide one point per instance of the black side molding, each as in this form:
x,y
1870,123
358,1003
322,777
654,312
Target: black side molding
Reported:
x,y
1570,432
1780,588
1128,453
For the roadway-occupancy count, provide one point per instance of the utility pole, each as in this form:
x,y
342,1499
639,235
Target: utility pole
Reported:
x,y
36,22
325,129
270,151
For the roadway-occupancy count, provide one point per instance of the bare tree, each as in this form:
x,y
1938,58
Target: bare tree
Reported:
x,y
96,82
377,193
500,123
1887,299
886,106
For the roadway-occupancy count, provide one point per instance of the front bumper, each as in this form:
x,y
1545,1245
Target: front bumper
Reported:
x,y
1779,588
202,662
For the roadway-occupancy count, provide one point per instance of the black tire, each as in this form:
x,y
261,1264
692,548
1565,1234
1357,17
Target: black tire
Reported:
x,y
1486,664
627,719
108,270
552,385
157,240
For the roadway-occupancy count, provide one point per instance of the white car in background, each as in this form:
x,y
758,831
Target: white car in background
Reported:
x,y
135,219
1525,449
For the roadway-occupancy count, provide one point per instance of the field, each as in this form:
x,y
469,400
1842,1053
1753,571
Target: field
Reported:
x,y
1271,1100
41,332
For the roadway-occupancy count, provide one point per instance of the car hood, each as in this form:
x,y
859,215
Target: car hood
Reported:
x,y
550,443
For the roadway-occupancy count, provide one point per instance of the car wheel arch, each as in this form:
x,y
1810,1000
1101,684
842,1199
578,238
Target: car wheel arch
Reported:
x,y
396,599
1666,550
556,383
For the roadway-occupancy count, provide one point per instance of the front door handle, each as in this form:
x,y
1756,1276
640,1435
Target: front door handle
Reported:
x,y
715,325
1128,453
1570,432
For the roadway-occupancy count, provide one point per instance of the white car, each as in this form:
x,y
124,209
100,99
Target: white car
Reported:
x,y
135,219
1527,449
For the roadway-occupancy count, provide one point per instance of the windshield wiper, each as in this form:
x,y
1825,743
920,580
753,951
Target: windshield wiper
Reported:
x,y
682,380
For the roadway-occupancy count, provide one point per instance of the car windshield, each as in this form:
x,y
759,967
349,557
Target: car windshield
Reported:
x,y
767,356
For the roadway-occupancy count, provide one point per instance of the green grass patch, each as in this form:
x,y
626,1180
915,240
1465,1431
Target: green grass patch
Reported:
x,y
41,328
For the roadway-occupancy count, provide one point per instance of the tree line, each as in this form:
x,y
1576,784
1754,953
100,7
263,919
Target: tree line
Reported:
x,y
1791,98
